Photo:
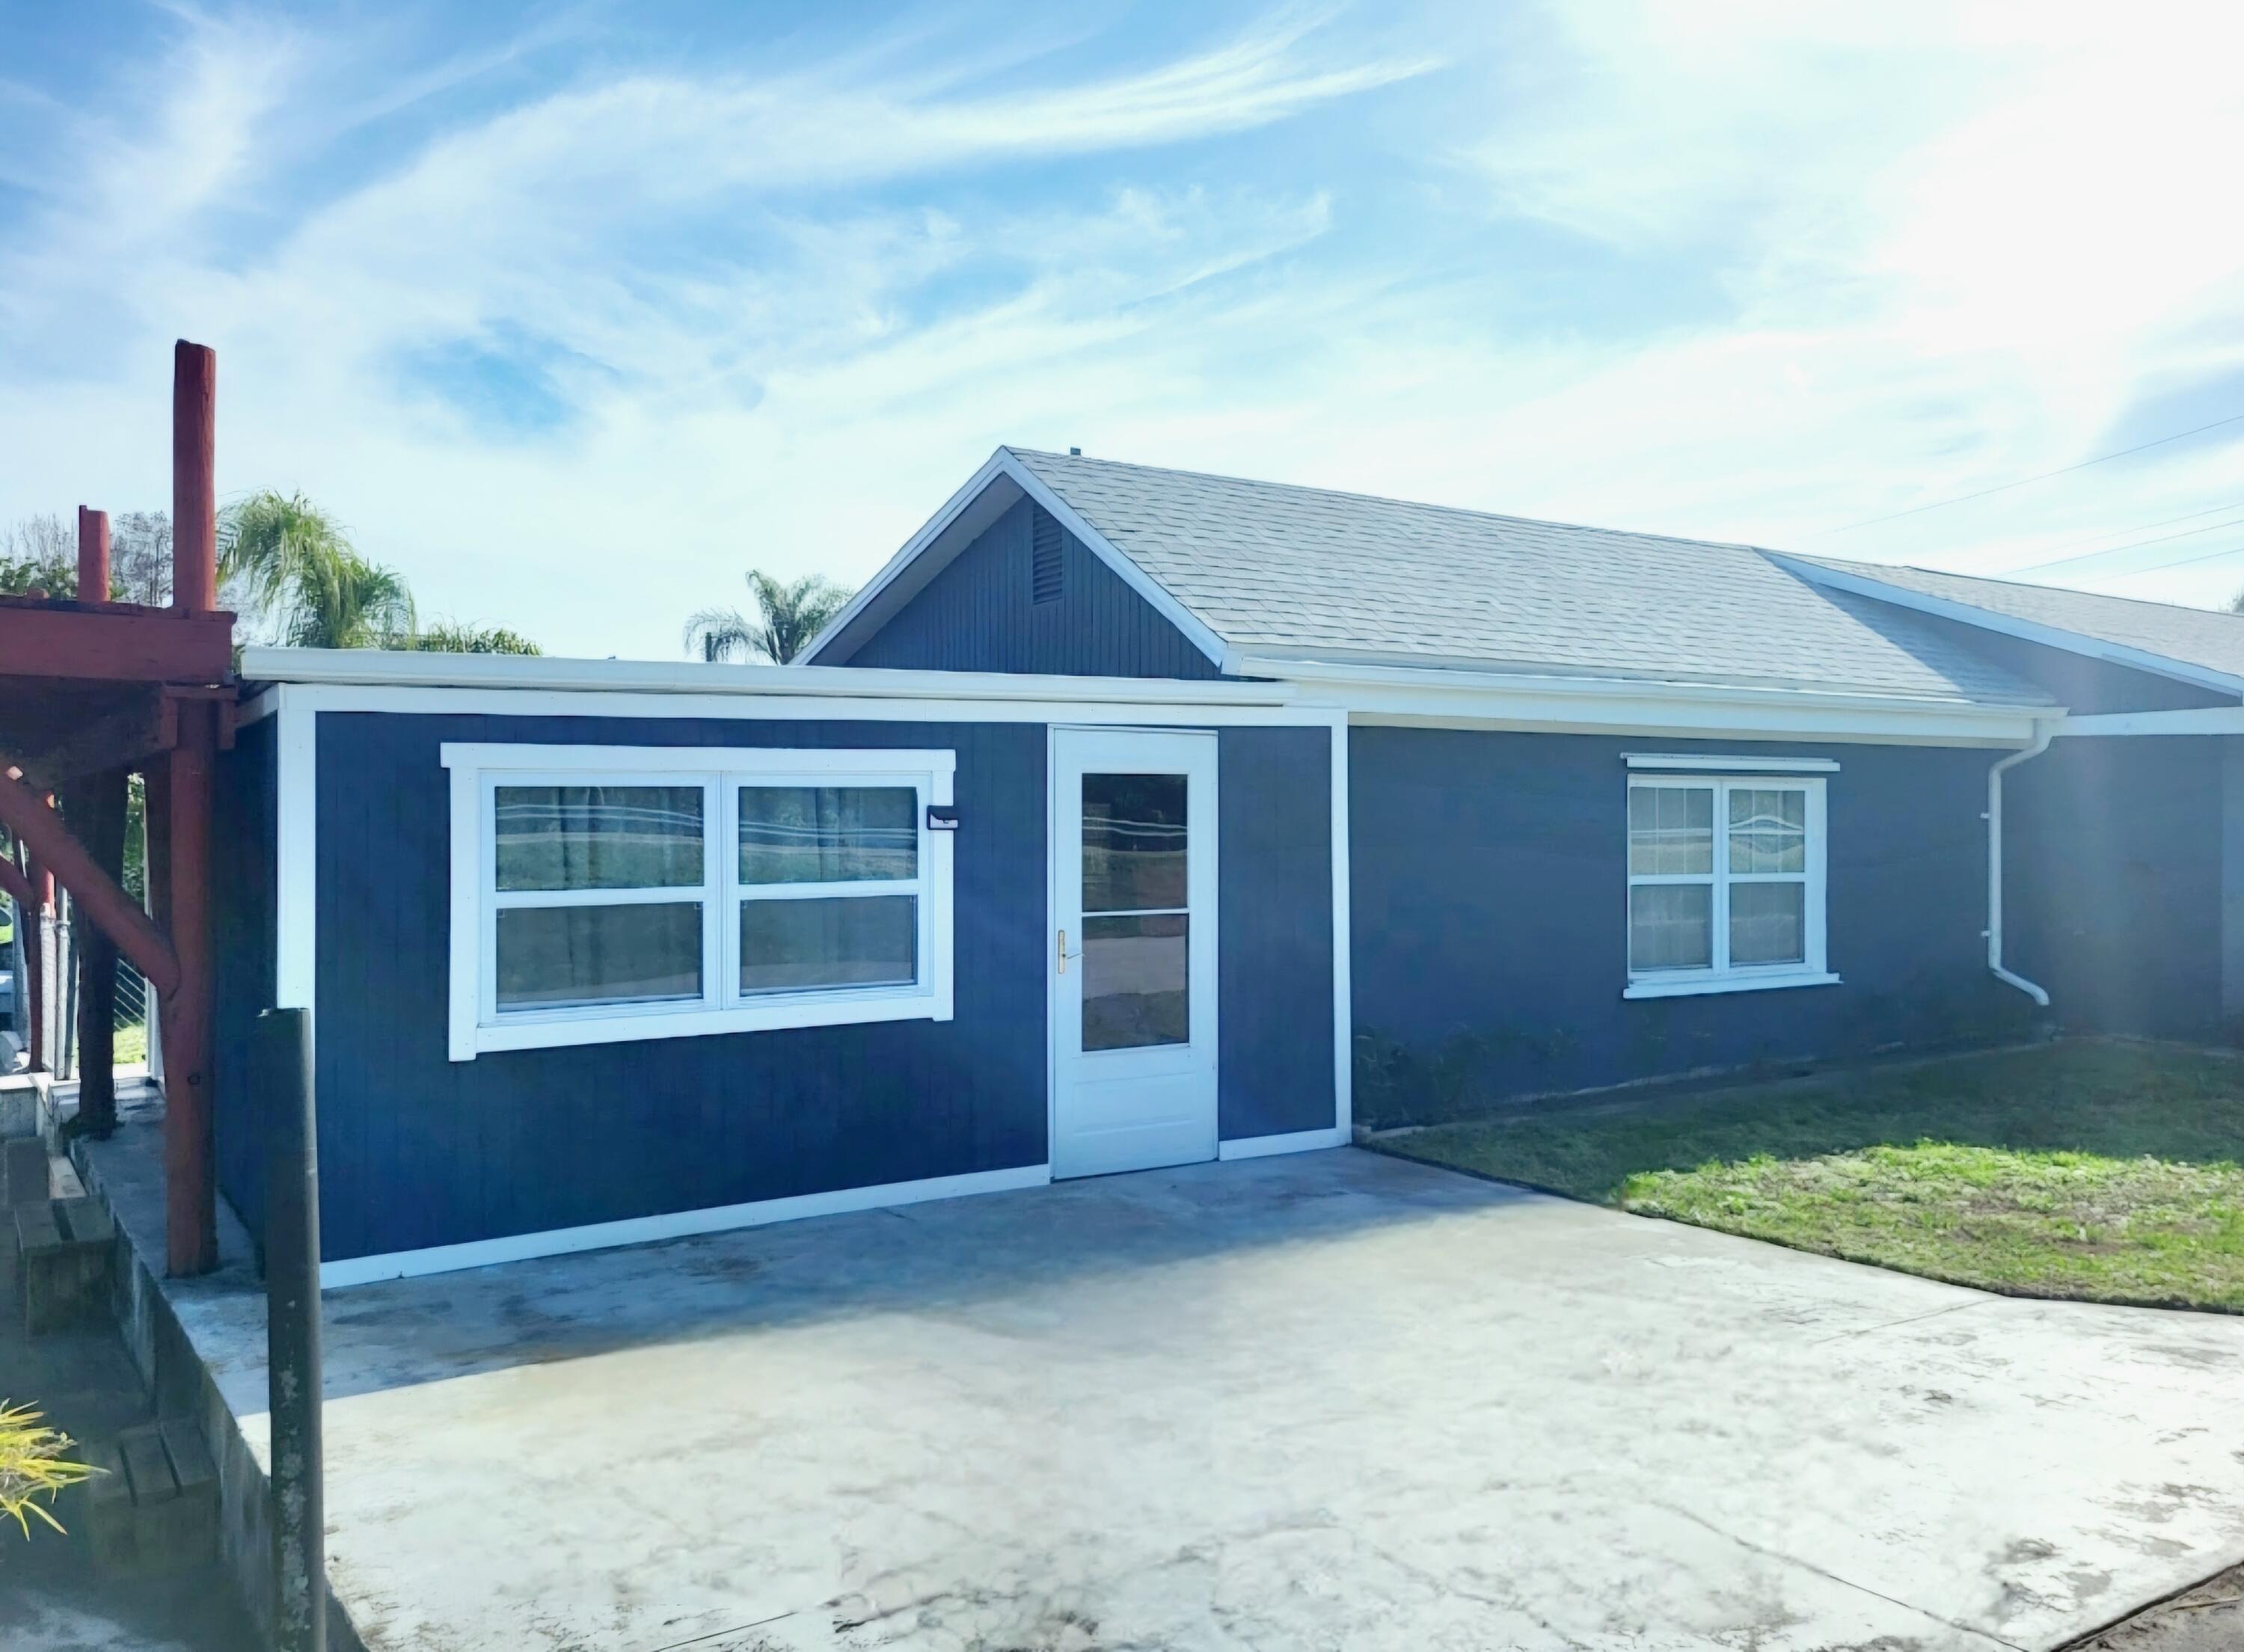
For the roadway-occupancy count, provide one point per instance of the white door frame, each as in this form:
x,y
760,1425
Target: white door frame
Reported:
x,y
1157,749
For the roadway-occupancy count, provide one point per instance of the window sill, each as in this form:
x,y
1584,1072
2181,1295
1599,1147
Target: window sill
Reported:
x,y
559,1030
1697,986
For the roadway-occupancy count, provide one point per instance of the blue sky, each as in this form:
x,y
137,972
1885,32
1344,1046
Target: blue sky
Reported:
x,y
573,312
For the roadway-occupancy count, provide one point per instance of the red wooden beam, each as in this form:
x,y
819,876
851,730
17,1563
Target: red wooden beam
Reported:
x,y
92,556
195,478
116,644
25,813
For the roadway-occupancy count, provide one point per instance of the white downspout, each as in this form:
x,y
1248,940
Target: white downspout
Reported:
x,y
2043,732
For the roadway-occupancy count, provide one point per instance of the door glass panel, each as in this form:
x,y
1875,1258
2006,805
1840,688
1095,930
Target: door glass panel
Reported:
x,y
1136,981
1133,843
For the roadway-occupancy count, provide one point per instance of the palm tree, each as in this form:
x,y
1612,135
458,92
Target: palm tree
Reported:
x,y
287,560
465,636
788,617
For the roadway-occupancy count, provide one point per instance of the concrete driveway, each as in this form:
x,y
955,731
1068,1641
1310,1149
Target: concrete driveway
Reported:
x,y
1330,1401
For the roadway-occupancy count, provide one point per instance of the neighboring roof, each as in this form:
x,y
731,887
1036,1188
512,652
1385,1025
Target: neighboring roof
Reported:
x,y
1278,571
2211,641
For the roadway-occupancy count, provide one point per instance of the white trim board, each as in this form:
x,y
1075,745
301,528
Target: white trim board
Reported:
x,y
946,534
1692,762
1259,1147
2009,625
602,1235
295,852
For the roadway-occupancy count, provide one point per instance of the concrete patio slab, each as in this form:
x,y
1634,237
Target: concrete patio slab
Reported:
x,y
1337,1400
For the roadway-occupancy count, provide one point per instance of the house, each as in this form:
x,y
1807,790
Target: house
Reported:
x,y
1132,817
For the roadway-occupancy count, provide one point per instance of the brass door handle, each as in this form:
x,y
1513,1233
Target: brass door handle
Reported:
x,y
1064,954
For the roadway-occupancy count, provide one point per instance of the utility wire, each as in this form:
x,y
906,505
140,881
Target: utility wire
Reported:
x,y
2063,470
2160,568
2116,533
2113,550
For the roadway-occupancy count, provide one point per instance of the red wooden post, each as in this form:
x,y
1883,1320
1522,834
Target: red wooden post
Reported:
x,y
190,1208
92,556
195,478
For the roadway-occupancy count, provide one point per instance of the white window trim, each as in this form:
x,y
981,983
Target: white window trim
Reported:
x,y
1683,983
477,769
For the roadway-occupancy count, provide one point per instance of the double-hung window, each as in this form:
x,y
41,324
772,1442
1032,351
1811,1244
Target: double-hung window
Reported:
x,y
1725,883
607,894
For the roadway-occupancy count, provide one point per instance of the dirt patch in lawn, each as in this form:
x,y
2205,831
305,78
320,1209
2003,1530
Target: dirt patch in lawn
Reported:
x,y
2106,1172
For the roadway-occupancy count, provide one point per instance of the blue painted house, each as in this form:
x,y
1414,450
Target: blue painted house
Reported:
x,y
1132,817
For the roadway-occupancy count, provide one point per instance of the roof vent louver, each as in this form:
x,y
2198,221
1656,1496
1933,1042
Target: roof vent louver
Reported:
x,y
1044,557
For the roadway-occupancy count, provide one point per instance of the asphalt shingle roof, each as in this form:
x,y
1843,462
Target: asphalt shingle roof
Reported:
x,y
2192,635
1305,571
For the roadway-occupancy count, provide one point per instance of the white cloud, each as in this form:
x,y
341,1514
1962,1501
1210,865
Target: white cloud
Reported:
x,y
774,319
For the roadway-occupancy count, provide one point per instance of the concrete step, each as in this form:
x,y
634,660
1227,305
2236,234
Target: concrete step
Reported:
x,y
154,1506
64,1248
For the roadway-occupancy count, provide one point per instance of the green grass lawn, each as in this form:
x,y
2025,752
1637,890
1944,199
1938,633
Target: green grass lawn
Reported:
x,y
2106,1172
131,1045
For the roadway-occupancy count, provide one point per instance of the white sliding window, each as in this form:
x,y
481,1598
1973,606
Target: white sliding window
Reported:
x,y
614,892
1725,884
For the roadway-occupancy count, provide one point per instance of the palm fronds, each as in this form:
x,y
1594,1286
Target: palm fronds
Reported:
x,y
788,617
32,1466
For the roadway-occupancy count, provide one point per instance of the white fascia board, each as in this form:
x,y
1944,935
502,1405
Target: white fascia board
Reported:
x,y
1439,696
380,668
2207,719
930,532
1695,762
2009,625
1195,630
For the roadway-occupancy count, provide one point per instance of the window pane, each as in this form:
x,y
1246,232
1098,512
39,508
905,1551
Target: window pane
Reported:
x,y
1769,923
1671,926
1671,830
828,833
1133,842
1136,980
598,837
842,940
550,956
1768,831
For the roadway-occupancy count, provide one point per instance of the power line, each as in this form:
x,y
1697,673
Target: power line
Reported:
x,y
2063,470
2113,533
2113,550
2160,568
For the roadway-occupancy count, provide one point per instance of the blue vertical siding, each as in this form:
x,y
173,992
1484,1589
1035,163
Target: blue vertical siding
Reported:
x,y
1488,925
419,1151
1275,932
2114,874
243,950
979,615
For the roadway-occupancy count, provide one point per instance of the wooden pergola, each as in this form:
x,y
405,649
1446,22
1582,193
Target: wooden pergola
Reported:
x,y
90,692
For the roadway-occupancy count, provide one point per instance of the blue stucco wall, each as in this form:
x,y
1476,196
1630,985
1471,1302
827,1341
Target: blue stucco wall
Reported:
x,y
1489,921
976,615
2114,882
243,951
419,1151
1275,932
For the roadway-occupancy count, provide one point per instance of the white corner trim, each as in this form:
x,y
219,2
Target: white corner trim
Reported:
x,y
1698,986
1259,1147
1343,928
2008,625
1695,761
646,1229
295,850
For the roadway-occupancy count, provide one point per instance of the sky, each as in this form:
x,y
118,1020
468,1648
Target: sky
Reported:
x,y
572,314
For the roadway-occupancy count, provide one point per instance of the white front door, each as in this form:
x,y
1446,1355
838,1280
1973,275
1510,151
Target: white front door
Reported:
x,y
1132,965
